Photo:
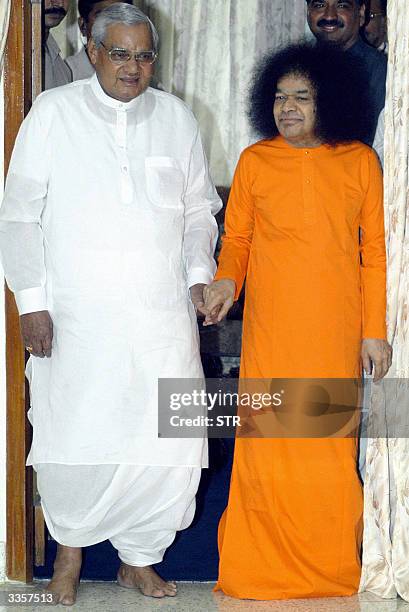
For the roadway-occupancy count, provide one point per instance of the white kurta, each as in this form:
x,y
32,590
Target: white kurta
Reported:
x,y
107,220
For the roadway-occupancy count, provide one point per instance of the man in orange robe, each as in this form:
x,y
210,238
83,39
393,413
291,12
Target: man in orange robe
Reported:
x,y
304,226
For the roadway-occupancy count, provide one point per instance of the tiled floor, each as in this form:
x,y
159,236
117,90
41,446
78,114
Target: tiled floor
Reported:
x,y
197,597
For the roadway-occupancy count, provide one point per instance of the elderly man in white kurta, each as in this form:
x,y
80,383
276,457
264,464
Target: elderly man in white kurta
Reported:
x,y
106,223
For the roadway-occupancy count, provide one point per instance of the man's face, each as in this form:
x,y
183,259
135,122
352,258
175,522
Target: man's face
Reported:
x,y
125,81
295,110
54,12
336,21
376,29
86,26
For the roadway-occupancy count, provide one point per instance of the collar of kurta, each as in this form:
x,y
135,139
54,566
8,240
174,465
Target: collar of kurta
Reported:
x,y
111,102
282,143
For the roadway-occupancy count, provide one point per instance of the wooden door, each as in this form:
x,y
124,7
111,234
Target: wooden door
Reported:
x,y
22,81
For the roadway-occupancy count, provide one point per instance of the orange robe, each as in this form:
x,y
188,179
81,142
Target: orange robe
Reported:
x,y
314,289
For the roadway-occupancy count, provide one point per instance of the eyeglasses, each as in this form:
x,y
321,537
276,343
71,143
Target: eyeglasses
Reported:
x,y
121,56
373,15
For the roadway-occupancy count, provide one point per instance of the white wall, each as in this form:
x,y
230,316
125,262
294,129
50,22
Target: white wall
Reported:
x,y
2,372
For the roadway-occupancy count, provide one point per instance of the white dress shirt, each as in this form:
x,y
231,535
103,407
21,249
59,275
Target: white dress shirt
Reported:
x,y
378,143
106,222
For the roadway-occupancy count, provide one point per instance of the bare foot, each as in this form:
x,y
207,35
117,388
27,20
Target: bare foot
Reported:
x,y
146,580
66,576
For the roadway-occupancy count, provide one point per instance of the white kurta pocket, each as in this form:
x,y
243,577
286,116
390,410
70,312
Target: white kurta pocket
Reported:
x,y
164,182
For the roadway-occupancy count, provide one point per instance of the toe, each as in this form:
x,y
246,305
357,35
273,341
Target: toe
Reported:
x,y
67,599
156,593
170,589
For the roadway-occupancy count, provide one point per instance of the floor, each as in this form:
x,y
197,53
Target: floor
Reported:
x,y
192,597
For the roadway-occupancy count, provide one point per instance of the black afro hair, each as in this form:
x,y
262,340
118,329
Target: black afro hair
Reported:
x,y
344,111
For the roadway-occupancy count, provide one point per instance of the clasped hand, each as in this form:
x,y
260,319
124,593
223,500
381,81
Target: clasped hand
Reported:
x,y
215,300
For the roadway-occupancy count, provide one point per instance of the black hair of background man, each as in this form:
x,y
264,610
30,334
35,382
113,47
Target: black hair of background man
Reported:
x,y
86,6
375,29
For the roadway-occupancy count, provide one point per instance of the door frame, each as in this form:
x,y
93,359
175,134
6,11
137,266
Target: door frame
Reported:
x,y
22,63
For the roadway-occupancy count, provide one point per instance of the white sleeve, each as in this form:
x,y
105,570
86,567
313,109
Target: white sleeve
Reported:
x,y
21,236
378,143
201,232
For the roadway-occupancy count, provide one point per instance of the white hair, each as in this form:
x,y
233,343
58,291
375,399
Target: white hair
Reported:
x,y
125,14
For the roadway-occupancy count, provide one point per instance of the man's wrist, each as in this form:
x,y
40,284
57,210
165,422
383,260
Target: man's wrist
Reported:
x,y
31,300
199,276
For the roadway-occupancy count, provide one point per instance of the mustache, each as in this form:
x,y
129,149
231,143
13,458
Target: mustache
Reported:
x,y
330,22
56,10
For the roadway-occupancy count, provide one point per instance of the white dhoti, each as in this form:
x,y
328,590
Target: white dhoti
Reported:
x,y
139,509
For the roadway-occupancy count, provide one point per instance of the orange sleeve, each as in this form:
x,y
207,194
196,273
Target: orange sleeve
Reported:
x,y
373,253
239,224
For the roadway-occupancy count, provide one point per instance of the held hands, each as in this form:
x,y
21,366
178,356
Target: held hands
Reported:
x,y
213,301
377,355
37,333
218,299
196,295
